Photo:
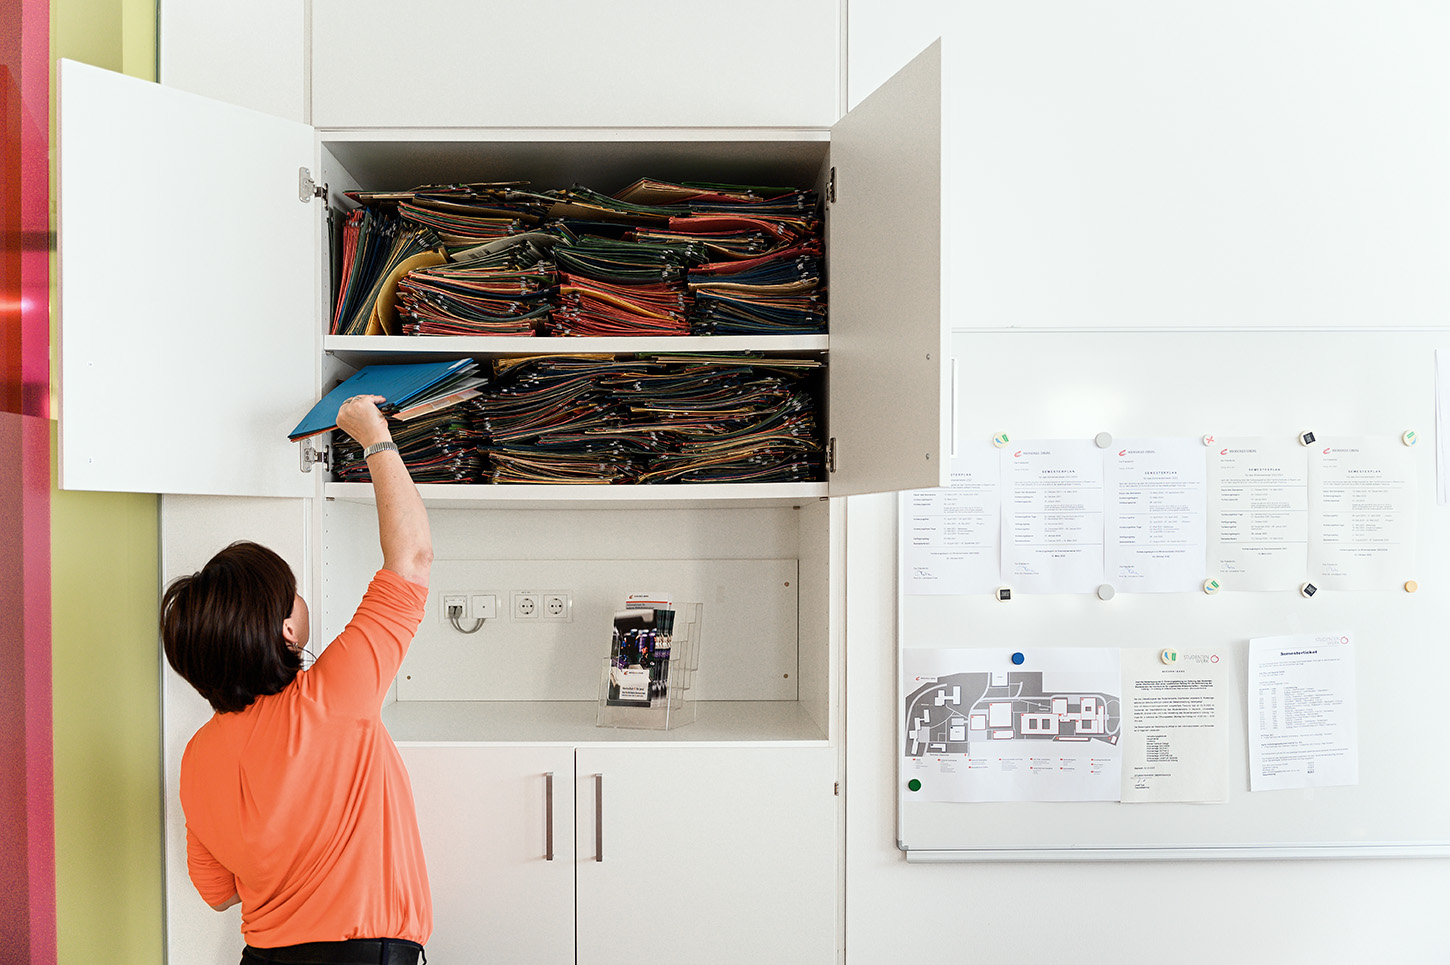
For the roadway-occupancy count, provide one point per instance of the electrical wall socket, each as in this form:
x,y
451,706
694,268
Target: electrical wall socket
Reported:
x,y
527,605
556,605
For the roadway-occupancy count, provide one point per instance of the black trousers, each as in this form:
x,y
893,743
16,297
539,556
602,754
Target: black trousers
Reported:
x,y
358,951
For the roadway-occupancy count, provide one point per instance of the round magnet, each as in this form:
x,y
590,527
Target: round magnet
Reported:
x,y
1004,593
1018,658
1208,440
1169,656
999,440
913,784
1105,592
1307,590
1306,438
1103,439
1409,438
1211,587
1411,586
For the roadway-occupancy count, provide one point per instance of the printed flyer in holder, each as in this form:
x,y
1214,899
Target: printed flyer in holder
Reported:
x,y
653,655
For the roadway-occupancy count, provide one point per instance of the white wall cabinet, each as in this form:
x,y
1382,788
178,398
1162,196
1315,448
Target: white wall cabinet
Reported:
x,y
711,855
185,321
678,854
497,825
225,344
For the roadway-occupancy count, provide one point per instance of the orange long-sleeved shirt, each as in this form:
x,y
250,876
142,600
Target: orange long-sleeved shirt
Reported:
x,y
301,804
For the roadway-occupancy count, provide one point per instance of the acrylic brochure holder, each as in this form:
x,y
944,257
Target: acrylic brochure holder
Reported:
x,y
670,702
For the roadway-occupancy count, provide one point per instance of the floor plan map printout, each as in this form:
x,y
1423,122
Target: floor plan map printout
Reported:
x,y
978,727
951,536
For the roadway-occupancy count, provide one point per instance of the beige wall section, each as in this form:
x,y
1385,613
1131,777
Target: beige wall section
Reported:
x,y
104,588
107,727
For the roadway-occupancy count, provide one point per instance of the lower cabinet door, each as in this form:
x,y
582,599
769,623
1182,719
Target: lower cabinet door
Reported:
x,y
706,855
487,819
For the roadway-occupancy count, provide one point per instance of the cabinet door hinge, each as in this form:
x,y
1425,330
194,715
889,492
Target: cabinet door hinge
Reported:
x,y
307,456
307,189
831,187
831,455
837,792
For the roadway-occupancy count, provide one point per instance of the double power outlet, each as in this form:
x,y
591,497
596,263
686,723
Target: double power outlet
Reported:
x,y
555,606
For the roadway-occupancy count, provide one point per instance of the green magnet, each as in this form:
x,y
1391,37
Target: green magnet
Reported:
x,y
914,784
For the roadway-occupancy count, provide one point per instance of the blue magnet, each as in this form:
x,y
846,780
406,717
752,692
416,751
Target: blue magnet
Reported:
x,y
1017,658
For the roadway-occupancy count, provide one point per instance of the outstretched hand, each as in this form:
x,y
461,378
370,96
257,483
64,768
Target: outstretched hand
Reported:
x,y
359,417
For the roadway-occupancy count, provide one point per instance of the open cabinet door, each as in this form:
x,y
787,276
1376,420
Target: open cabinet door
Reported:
x,y
889,403
188,342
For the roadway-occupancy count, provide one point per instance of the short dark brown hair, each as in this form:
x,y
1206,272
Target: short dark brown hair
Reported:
x,y
222,627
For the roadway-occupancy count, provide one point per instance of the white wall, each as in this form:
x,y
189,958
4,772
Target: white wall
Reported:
x,y
1236,265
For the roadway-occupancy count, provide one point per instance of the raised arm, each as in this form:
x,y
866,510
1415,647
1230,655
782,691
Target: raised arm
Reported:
x,y
402,520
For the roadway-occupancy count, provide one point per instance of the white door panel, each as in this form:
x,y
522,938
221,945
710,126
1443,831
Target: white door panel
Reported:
x,y
188,336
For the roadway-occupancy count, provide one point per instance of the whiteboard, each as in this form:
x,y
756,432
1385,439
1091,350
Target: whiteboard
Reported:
x,y
1044,385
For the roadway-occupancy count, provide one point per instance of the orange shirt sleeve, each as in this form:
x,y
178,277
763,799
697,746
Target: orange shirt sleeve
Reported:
x,y
353,673
213,882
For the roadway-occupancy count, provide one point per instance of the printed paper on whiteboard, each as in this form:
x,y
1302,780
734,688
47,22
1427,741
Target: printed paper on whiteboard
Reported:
x,y
979,728
950,536
1303,715
1052,516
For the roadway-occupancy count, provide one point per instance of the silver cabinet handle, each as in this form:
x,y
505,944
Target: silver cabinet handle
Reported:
x,y
549,816
598,817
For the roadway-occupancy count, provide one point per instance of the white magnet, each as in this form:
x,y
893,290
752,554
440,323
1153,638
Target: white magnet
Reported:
x,y
1409,438
1004,593
1307,590
1211,587
1105,592
1306,438
1103,439
1411,586
999,440
1169,656
1208,440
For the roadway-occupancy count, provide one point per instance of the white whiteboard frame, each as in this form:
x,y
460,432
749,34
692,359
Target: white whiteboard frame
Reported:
x,y
1343,415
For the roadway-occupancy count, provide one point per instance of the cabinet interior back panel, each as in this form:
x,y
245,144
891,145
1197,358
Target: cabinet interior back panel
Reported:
x,y
605,163
748,640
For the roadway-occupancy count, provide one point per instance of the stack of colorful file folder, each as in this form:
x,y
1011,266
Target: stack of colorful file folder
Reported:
x,y
657,258
650,419
440,447
591,419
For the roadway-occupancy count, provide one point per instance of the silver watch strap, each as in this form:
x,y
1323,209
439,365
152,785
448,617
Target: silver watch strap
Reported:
x,y
380,447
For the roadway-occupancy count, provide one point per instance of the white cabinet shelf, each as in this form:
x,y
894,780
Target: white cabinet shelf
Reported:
x,y
572,722
670,496
359,350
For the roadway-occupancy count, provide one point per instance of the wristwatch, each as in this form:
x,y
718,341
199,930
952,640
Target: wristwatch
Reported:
x,y
380,447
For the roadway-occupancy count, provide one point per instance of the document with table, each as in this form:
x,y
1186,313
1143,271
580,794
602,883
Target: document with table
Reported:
x,y
1303,729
